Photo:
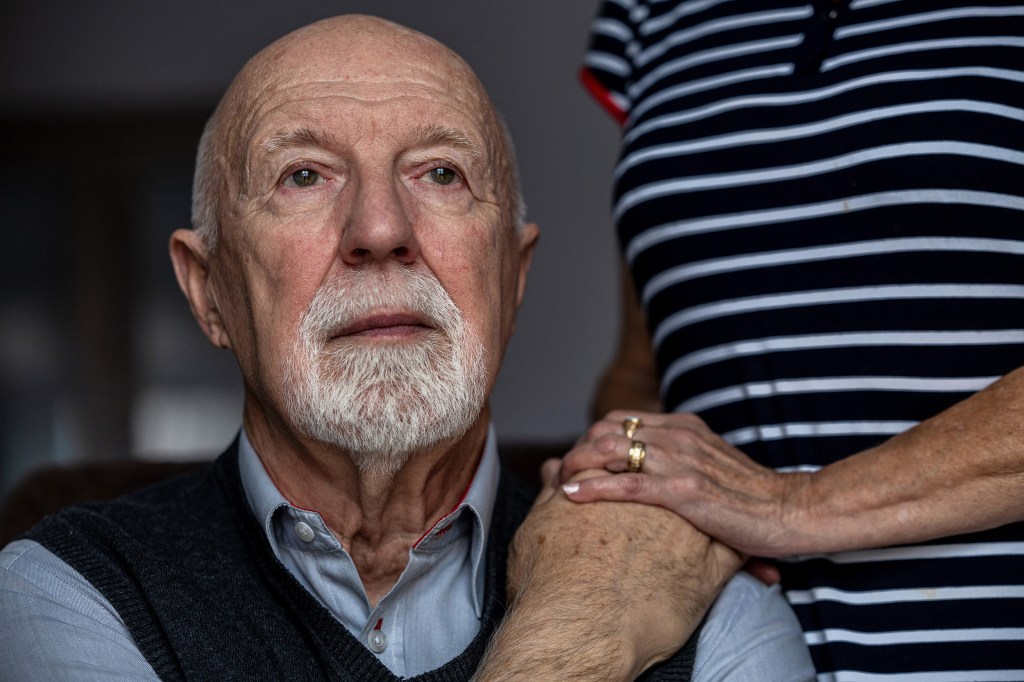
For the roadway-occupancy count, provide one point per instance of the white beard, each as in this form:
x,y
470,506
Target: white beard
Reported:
x,y
383,402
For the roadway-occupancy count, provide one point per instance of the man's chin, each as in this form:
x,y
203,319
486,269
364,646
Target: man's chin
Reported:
x,y
383,428
383,402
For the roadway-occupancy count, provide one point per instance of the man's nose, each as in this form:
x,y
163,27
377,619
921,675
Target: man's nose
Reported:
x,y
379,225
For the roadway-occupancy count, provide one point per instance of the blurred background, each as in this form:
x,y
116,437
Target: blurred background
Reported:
x,y
101,106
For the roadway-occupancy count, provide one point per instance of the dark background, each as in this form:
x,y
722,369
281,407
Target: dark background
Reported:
x,y
101,105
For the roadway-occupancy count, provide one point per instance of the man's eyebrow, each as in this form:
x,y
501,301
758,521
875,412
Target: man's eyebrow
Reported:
x,y
442,135
300,137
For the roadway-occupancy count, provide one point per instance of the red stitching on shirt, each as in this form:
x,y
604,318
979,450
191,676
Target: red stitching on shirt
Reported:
x,y
450,512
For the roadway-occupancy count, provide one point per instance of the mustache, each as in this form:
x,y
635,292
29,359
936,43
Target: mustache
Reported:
x,y
342,301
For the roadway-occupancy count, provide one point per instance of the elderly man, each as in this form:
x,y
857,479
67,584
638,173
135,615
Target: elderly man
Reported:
x,y
358,246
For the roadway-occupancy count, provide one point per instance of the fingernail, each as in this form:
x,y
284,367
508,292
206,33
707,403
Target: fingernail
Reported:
x,y
571,488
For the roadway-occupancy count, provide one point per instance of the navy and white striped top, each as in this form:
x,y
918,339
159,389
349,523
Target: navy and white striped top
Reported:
x,y
822,205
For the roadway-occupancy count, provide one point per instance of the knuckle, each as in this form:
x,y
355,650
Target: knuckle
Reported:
x,y
691,420
687,438
596,431
690,487
632,484
609,443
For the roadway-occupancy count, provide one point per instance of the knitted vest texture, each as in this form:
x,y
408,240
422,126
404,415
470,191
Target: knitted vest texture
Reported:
x,y
188,568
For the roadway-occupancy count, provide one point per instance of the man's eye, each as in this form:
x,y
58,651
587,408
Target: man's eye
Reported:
x,y
443,176
304,177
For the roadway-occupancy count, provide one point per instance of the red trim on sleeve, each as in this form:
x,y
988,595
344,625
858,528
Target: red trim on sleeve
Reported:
x,y
600,93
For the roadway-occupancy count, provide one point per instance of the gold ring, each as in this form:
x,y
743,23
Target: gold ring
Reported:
x,y
630,425
637,452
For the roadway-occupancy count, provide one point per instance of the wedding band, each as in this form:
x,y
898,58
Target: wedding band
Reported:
x,y
637,452
630,425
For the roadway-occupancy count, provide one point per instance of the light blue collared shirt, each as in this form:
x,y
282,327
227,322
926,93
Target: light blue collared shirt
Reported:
x,y
432,613
57,626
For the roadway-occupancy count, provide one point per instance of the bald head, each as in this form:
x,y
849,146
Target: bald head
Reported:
x,y
350,165
347,54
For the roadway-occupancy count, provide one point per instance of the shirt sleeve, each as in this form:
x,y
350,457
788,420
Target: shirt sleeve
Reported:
x,y
751,635
57,626
607,66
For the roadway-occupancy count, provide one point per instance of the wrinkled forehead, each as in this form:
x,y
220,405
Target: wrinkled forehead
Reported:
x,y
360,57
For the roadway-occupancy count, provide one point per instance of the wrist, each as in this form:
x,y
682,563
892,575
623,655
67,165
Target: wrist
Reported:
x,y
807,520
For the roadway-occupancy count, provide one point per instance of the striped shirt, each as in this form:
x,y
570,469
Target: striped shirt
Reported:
x,y
822,205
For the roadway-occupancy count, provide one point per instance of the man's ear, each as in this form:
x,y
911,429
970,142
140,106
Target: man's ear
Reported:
x,y
191,267
528,236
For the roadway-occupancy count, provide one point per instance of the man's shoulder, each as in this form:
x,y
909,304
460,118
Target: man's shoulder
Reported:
x,y
751,633
155,514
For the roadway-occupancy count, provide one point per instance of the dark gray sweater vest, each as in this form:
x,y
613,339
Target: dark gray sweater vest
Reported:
x,y
189,569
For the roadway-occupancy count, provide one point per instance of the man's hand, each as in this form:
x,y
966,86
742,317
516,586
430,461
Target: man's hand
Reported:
x,y
602,591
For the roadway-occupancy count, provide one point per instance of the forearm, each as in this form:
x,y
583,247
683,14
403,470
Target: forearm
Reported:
x,y
555,632
961,471
564,643
602,592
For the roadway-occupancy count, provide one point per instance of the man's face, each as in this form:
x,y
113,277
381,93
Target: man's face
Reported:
x,y
363,227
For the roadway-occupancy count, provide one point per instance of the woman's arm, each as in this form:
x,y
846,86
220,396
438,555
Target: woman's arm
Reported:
x,y
958,472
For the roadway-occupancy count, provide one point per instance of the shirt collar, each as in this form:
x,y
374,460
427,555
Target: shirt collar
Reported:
x,y
264,499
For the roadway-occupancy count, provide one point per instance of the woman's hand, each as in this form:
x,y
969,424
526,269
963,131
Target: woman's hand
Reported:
x,y
690,470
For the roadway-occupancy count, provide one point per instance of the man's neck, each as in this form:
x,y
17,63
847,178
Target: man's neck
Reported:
x,y
376,517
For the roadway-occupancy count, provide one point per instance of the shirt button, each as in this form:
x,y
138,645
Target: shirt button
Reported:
x,y
377,641
304,532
